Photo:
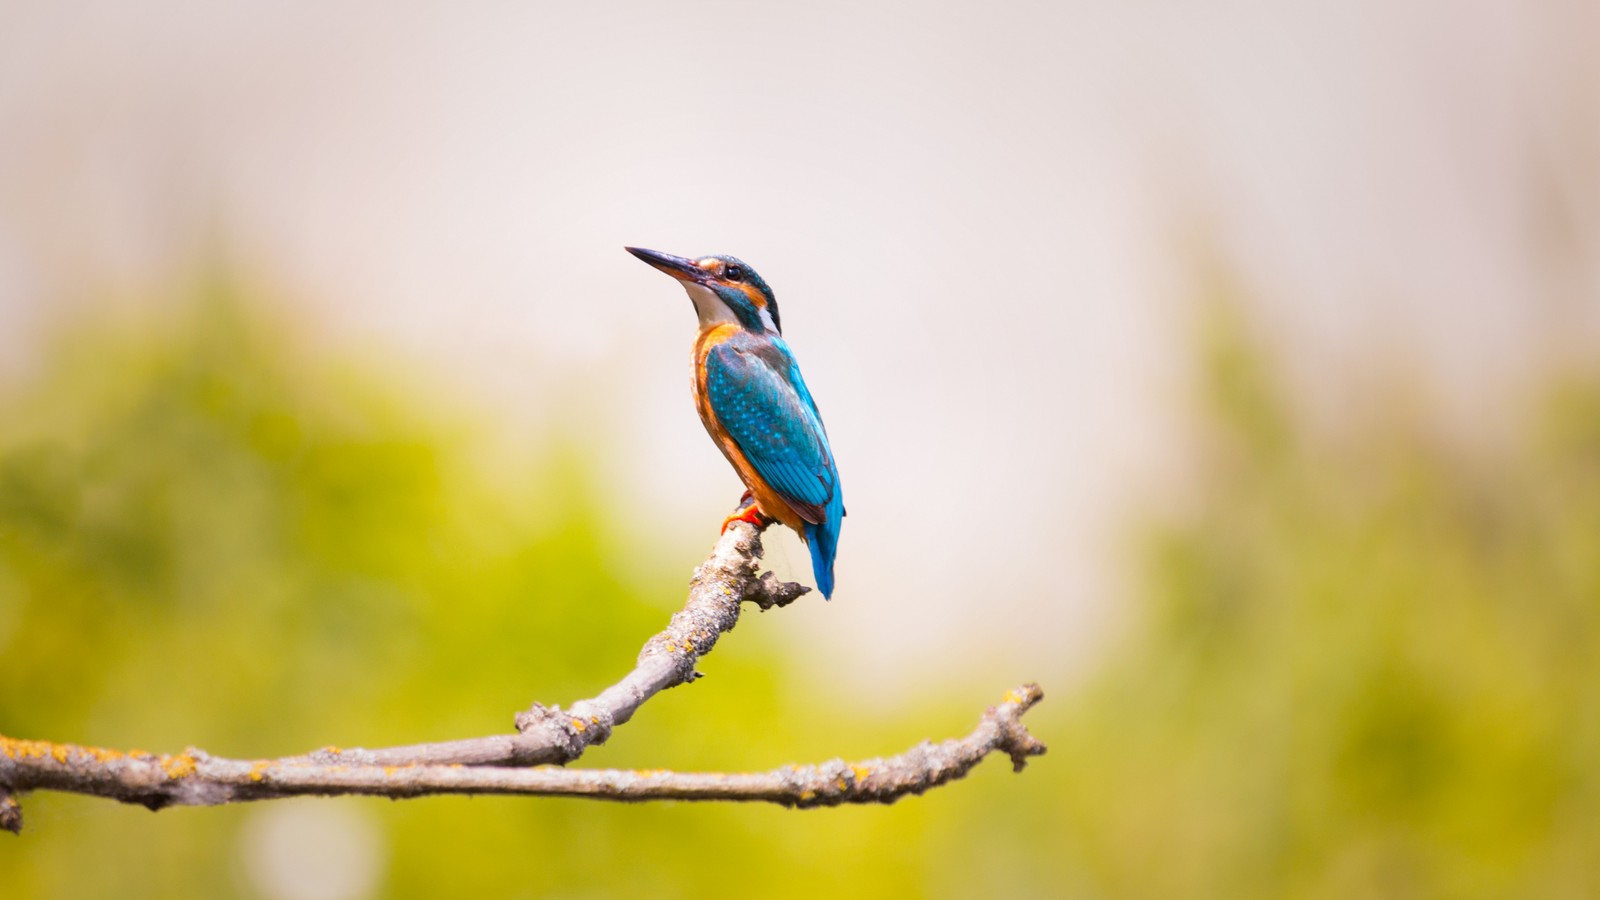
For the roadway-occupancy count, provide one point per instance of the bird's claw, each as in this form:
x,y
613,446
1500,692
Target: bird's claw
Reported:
x,y
747,511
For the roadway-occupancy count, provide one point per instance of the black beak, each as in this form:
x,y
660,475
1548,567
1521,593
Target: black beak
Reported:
x,y
676,266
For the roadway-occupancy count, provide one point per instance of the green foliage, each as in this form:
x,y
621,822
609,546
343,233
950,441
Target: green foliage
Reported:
x,y
1360,671
1365,670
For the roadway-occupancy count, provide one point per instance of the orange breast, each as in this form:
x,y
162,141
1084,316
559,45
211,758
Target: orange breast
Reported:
x,y
767,500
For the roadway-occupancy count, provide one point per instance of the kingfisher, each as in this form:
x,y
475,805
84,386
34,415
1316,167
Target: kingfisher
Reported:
x,y
755,405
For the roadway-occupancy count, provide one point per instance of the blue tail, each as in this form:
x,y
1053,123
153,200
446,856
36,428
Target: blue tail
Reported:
x,y
823,539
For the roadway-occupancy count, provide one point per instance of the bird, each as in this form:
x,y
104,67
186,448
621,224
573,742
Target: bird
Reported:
x,y
756,406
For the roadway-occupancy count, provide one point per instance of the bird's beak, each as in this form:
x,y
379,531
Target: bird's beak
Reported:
x,y
676,266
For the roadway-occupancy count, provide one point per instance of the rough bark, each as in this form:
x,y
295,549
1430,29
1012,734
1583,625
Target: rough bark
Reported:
x,y
518,763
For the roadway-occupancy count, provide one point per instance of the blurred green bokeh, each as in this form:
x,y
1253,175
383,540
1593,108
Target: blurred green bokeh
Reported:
x,y
1367,669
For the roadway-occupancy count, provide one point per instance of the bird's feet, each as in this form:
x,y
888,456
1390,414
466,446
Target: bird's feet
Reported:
x,y
747,511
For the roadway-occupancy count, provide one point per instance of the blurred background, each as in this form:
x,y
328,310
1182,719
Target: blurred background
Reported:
x,y
1229,369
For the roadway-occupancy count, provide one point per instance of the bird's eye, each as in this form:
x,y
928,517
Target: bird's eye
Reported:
x,y
733,273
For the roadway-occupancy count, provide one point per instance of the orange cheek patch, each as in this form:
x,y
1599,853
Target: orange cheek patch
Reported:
x,y
756,297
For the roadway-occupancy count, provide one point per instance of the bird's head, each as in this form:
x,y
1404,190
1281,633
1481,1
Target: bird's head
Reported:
x,y
723,289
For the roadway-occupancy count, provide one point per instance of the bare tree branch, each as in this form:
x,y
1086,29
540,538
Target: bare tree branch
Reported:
x,y
553,735
498,764
193,778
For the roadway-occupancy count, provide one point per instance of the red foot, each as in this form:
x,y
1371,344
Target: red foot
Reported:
x,y
747,511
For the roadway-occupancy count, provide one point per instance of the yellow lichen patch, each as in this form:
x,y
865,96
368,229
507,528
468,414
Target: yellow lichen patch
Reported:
x,y
688,646
180,766
861,772
388,771
594,720
1012,697
331,749
258,770
18,749
578,725
808,795
61,753
103,755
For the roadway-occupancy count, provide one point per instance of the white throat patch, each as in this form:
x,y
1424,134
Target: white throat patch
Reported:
x,y
708,305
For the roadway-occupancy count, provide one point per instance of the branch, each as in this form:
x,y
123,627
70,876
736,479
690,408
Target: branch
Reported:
x,y
193,778
497,764
553,735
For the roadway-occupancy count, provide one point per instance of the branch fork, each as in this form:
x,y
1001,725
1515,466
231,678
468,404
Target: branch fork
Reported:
x,y
528,761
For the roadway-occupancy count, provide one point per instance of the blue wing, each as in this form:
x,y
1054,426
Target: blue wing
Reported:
x,y
757,394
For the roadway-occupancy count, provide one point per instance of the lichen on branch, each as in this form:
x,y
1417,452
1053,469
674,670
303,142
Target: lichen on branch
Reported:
x,y
521,763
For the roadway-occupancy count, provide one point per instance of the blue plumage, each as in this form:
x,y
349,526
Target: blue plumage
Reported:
x,y
758,395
